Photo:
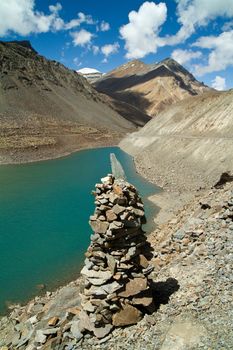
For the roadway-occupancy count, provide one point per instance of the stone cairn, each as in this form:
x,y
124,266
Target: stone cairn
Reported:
x,y
117,290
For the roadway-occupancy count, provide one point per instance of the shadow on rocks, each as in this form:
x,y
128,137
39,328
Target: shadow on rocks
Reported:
x,y
160,292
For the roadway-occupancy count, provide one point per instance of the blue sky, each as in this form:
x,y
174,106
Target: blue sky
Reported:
x,y
104,34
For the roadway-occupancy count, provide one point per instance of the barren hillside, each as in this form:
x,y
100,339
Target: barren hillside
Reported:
x,y
150,88
47,110
189,144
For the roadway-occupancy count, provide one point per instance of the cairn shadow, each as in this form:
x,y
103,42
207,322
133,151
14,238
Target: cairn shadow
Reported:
x,y
162,291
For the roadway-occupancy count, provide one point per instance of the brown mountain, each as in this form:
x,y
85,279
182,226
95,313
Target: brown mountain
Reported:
x,y
47,109
150,88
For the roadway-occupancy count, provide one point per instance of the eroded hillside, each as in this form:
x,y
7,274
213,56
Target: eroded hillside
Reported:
x,y
189,144
47,110
150,88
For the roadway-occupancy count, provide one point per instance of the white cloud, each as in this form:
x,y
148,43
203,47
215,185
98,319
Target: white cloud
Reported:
x,y
185,56
95,49
197,13
141,33
82,18
219,83
81,38
55,8
104,26
21,17
221,55
110,49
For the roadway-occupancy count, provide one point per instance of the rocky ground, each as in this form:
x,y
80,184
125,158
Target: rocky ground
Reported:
x,y
192,289
24,142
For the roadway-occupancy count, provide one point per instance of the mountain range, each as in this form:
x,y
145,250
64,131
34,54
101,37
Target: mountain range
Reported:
x,y
150,87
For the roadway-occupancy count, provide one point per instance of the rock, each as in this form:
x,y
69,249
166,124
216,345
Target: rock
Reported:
x,y
108,180
53,321
133,287
99,226
85,323
144,301
102,331
118,209
179,234
50,331
118,191
25,339
75,330
110,215
40,337
138,212
111,263
111,287
96,274
143,261
127,316
33,319
99,277
89,307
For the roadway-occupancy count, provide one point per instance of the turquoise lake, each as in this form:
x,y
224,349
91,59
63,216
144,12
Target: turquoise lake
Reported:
x,y
44,212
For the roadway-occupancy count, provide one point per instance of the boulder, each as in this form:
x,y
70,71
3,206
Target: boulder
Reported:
x,y
127,316
134,287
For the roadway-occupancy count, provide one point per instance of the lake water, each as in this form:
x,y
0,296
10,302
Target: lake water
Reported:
x,y
44,211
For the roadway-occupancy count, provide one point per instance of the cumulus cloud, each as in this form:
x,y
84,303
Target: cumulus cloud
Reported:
x,y
185,56
198,13
81,18
104,26
81,38
110,49
141,34
219,83
221,54
21,17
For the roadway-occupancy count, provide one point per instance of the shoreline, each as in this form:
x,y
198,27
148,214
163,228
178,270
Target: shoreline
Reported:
x,y
183,254
53,290
57,156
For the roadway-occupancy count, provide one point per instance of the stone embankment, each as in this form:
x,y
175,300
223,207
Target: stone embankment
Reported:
x,y
192,290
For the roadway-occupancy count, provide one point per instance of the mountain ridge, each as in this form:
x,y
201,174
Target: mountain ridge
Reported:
x,y
152,87
41,100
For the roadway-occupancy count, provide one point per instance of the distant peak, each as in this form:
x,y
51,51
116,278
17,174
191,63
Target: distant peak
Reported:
x,y
170,61
174,66
87,70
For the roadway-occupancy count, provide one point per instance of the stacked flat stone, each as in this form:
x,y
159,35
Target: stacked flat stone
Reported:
x,y
116,286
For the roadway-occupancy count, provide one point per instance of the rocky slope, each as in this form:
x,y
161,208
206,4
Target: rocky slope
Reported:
x,y
192,279
150,88
47,110
188,145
